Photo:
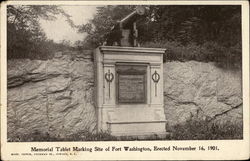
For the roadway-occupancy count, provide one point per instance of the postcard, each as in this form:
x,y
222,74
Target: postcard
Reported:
x,y
124,80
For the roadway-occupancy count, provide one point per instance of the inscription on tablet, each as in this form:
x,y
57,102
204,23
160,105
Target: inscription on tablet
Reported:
x,y
131,85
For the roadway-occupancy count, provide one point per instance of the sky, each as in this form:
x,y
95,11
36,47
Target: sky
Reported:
x,y
59,29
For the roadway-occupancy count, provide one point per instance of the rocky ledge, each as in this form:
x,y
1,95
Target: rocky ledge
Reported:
x,y
56,96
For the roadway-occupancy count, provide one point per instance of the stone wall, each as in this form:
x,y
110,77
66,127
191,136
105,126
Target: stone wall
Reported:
x,y
56,96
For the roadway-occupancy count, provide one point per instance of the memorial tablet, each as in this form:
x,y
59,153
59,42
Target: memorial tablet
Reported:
x,y
131,84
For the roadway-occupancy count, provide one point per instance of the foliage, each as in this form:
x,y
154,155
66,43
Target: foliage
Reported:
x,y
209,51
185,24
193,129
190,32
99,27
203,33
197,129
25,38
82,135
85,135
194,24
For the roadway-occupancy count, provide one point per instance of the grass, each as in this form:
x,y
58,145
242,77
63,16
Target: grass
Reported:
x,y
206,130
83,135
193,129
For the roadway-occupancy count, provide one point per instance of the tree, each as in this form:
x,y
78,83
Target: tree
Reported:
x,y
189,32
185,24
99,27
25,38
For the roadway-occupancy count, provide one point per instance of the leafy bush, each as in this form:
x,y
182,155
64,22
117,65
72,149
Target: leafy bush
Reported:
x,y
195,129
207,52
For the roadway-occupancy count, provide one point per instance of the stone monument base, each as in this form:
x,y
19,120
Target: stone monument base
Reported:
x,y
135,120
145,136
129,91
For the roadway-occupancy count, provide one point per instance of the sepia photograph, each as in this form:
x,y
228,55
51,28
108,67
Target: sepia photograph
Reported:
x,y
124,72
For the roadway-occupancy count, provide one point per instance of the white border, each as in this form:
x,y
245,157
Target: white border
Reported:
x,y
229,149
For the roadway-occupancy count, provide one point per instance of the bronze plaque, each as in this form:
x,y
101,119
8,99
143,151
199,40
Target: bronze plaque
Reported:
x,y
131,84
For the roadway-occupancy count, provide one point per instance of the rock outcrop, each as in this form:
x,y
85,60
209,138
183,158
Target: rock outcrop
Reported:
x,y
197,89
56,96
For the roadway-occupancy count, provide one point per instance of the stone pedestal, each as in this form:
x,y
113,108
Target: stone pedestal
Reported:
x,y
129,90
